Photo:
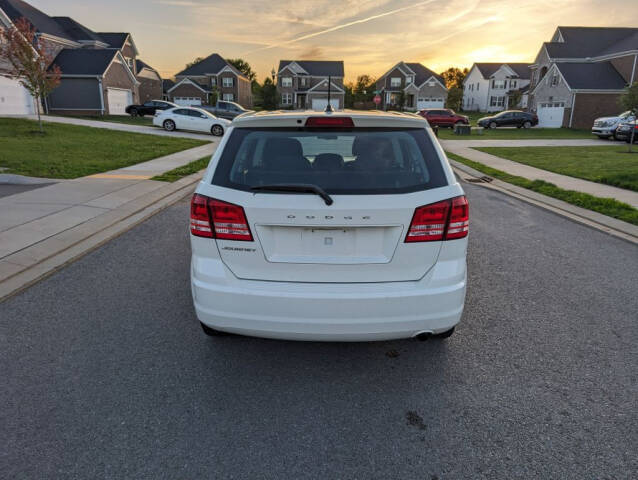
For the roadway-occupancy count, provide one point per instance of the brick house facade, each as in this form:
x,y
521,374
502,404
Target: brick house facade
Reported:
x,y
411,86
581,73
303,84
213,76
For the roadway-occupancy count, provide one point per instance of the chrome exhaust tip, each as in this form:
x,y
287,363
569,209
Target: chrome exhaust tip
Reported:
x,y
423,336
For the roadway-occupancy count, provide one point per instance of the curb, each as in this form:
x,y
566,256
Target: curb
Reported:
x,y
617,228
96,232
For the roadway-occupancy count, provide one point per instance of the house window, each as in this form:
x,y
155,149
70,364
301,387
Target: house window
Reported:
x,y
286,98
228,97
497,101
513,83
431,83
554,80
395,82
227,82
497,84
410,79
286,82
213,81
302,81
477,86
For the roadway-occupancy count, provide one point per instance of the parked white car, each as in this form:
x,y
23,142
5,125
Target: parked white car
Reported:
x,y
345,226
189,118
605,127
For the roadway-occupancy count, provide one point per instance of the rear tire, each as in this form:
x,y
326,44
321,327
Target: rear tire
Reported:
x,y
527,124
217,130
169,125
492,125
133,112
446,334
211,332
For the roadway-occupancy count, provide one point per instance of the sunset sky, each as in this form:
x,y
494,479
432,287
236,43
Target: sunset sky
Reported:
x,y
370,36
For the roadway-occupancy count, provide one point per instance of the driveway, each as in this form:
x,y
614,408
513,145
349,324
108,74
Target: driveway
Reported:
x,y
106,373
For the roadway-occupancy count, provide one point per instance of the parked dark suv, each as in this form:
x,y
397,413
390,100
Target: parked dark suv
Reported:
x,y
509,118
443,117
149,108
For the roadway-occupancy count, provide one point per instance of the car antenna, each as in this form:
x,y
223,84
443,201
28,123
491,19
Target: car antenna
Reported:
x,y
329,106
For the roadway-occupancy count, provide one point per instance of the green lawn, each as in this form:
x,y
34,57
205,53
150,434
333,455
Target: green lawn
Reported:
x,y
144,121
611,165
518,134
71,151
606,206
179,172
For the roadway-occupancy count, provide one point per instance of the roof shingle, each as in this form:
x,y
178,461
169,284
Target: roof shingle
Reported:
x,y
81,61
591,76
318,68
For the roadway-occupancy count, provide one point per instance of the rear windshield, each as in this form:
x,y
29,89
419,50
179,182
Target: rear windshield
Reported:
x,y
354,161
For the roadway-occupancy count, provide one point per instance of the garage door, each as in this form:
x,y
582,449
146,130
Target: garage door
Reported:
x,y
118,100
550,115
430,102
14,98
320,104
187,101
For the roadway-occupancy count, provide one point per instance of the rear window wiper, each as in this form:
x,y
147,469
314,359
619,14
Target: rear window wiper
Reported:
x,y
296,187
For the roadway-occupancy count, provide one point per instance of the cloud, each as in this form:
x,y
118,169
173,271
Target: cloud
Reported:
x,y
312,53
343,25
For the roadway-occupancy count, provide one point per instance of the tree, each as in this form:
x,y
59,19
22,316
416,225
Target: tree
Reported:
x,y
515,99
213,95
269,97
363,89
348,98
190,64
454,77
244,67
454,98
30,58
629,101
401,101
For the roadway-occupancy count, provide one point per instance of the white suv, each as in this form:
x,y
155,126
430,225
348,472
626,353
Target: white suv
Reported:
x,y
345,226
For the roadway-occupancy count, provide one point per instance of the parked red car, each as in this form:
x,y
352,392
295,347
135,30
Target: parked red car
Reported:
x,y
443,117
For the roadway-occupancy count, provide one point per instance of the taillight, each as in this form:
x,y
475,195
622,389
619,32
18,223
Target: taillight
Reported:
x,y
216,219
342,122
446,220
459,223
230,221
200,216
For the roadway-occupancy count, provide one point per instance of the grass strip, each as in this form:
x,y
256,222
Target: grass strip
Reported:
x,y
183,171
606,206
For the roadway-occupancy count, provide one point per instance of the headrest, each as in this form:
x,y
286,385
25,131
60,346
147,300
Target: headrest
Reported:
x,y
275,147
327,161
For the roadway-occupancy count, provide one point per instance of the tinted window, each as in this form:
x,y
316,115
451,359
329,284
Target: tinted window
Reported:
x,y
181,111
149,104
195,113
222,105
353,161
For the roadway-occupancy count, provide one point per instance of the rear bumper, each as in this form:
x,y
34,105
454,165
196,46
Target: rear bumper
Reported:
x,y
329,311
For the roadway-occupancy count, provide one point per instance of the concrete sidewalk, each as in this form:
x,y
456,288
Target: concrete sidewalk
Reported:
x,y
533,173
41,223
124,127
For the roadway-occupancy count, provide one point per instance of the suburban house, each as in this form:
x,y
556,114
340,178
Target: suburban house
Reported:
x,y
167,84
99,69
151,84
488,87
580,74
417,86
303,84
195,84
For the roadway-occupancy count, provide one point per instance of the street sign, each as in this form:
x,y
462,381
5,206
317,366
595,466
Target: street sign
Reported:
x,y
377,99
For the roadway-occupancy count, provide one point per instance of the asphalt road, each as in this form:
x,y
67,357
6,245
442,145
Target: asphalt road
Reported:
x,y
105,373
